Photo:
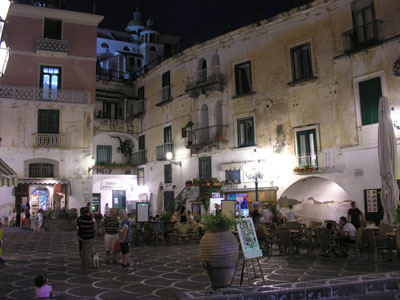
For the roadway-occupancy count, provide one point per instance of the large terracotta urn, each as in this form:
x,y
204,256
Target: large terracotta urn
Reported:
x,y
220,254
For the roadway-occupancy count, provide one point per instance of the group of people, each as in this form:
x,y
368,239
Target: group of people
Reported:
x,y
183,216
20,217
117,236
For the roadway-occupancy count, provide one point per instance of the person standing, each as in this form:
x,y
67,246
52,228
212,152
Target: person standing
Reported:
x,y
354,215
291,215
86,232
125,236
267,215
98,217
110,231
106,210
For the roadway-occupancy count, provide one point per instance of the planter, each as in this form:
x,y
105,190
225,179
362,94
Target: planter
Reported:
x,y
219,252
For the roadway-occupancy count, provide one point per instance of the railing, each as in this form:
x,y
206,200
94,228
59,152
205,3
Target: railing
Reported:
x,y
40,94
105,124
47,140
138,107
139,158
113,75
307,161
166,93
328,161
45,44
163,149
205,78
206,136
362,37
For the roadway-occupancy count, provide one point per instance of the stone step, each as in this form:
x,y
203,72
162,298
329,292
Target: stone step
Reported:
x,y
352,287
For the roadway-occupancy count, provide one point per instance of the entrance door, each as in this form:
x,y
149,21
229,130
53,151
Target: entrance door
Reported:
x,y
205,167
119,199
21,190
169,201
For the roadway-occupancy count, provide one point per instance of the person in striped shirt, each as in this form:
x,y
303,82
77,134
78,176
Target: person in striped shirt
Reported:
x,y
110,231
86,232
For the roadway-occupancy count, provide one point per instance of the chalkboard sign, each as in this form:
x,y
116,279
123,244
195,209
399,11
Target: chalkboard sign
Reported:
x,y
248,239
142,212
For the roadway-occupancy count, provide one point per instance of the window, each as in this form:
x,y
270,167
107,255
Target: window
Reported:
x,y
205,168
140,176
307,149
301,62
202,75
42,170
168,173
166,88
50,81
103,154
105,45
52,29
139,63
243,78
370,92
112,110
232,175
363,18
141,93
153,49
168,135
245,132
48,121
142,145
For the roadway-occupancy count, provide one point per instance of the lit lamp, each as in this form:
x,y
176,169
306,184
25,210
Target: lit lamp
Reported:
x,y
92,162
169,157
252,173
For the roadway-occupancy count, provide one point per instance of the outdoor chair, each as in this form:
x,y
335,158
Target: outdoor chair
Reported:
x,y
311,241
315,224
194,231
325,242
183,232
294,225
283,240
369,243
262,236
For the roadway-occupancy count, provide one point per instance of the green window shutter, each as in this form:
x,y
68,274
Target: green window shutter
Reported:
x,y
370,92
307,150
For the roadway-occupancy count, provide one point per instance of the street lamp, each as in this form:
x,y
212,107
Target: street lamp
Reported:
x,y
92,162
169,157
252,173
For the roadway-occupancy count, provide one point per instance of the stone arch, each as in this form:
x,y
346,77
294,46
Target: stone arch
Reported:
x,y
55,163
316,198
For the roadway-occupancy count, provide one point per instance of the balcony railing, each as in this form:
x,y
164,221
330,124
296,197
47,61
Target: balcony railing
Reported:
x,y
112,75
105,124
40,94
362,37
47,140
163,149
327,160
138,107
206,136
165,96
44,44
139,158
206,78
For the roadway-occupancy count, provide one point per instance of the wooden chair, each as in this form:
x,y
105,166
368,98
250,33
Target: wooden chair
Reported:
x,y
183,233
194,231
324,238
311,240
283,240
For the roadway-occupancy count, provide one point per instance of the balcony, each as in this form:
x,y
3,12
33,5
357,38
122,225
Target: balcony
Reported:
x,y
112,75
165,96
206,136
206,80
363,37
47,140
138,107
139,158
40,94
106,124
163,149
50,45
327,161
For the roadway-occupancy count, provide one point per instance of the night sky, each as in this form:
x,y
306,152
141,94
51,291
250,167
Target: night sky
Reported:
x,y
192,19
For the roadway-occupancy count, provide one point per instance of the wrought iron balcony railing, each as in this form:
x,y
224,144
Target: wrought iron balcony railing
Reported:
x,y
40,94
165,96
108,124
139,158
112,75
206,136
47,140
45,44
163,149
206,78
327,160
138,107
363,37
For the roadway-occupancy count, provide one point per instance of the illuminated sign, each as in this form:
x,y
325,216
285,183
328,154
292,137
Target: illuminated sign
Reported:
x,y
110,184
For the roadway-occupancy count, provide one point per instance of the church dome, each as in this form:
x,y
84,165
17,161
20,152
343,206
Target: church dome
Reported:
x,y
136,23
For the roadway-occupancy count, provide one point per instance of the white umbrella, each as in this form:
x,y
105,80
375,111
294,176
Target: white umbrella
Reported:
x,y
387,153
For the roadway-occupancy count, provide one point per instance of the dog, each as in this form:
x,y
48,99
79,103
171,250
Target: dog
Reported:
x,y
96,260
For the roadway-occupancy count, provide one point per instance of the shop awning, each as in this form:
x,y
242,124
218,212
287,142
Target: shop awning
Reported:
x,y
8,177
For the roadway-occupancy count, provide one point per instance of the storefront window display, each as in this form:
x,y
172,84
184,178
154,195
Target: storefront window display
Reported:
x,y
242,206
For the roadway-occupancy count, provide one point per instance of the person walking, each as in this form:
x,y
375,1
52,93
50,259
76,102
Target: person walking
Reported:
x,y
86,232
110,231
125,236
354,215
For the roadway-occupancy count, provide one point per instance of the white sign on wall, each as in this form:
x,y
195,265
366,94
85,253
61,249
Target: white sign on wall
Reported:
x,y
111,184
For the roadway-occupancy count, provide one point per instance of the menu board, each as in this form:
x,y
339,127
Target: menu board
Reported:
x,y
142,212
248,239
372,201
228,208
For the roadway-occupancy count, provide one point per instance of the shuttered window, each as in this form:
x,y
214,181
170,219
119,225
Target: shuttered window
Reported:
x,y
168,173
301,62
103,154
243,83
48,121
370,92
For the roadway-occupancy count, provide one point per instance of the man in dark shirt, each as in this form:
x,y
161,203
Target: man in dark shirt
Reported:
x,y
86,232
110,230
354,215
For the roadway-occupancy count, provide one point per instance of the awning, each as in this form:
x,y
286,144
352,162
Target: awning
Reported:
x,y
49,181
8,177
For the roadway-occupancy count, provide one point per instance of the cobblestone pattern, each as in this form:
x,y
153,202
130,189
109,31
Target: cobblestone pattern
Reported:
x,y
155,272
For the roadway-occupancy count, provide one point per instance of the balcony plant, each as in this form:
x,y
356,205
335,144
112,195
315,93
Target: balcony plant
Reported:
x,y
214,181
188,183
219,134
219,250
189,125
196,181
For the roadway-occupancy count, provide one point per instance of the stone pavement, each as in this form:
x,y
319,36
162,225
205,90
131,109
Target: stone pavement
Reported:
x,y
155,272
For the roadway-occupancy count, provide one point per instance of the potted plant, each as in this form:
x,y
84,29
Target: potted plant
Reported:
x,y
219,134
205,182
214,181
189,125
188,183
196,181
296,170
306,168
219,249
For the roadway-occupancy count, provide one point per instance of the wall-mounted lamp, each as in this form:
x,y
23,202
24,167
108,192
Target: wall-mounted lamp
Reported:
x,y
91,164
395,116
169,157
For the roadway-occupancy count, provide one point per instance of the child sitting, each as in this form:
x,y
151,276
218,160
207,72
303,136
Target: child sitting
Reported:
x,y
43,290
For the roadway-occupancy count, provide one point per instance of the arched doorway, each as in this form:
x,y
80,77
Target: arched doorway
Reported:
x,y
316,198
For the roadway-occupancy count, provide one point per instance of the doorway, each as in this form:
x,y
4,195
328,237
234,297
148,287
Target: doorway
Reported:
x,y
169,201
205,167
119,199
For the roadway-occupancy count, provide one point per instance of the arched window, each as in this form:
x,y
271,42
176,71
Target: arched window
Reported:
x,y
105,45
202,70
153,48
126,48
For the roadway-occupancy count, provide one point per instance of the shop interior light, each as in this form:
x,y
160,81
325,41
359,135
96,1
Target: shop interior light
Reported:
x,y
4,7
4,56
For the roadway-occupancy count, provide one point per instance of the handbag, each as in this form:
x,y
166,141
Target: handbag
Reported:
x,y
117,246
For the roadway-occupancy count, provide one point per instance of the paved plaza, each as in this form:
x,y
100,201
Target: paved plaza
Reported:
x,y
155,272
